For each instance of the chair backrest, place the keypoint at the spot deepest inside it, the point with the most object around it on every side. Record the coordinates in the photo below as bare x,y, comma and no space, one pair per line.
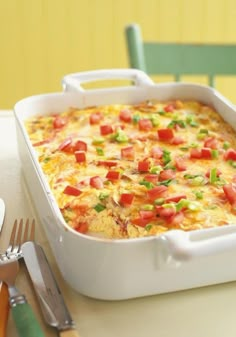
179,58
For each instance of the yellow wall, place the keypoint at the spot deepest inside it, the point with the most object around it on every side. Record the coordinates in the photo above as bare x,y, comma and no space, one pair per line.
42,40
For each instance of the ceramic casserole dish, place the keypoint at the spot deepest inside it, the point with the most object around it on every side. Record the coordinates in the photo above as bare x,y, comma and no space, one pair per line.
113,269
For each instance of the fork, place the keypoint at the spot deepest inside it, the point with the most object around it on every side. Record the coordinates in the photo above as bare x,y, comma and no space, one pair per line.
26,323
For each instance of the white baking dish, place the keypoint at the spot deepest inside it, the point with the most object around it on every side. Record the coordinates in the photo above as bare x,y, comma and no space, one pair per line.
121,269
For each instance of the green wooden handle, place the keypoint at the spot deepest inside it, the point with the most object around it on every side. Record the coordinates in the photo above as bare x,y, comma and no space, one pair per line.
25,320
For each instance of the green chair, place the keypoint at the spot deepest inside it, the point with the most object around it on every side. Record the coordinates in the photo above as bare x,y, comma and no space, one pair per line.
177,59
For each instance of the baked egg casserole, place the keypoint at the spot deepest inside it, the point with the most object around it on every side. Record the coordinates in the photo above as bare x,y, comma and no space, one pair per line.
127,171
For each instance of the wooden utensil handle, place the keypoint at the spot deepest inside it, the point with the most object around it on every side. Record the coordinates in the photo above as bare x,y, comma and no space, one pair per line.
69,333
4,308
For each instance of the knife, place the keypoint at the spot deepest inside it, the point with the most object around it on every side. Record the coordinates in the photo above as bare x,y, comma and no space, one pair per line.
2,213
4,304
48,293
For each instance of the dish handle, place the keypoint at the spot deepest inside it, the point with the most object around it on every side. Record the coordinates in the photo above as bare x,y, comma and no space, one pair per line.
183,246
72,82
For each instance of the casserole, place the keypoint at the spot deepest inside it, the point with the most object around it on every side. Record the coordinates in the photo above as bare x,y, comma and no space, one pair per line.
120,269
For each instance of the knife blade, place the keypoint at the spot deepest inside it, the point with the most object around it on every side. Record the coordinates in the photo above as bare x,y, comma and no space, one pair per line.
2,213
4,305
50,298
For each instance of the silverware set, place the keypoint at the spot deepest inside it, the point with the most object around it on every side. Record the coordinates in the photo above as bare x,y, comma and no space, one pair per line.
22,245
25,320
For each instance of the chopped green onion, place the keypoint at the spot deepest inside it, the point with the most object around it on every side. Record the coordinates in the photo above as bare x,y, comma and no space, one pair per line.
198,194
103,195
214,154
201,136
213,176
148,227
159,201
100,151
191,121
166,182
98,140
154,119
191,176
135,119
46,160
198,181
169,166
161,112
99,208
178,122
189,204
147,207
204,131
120,136
166,156
195,180
148,184
184,148
226,145
183,203
156,169
232,163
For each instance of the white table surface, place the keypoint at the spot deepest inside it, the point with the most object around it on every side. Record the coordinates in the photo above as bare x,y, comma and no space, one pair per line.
203,312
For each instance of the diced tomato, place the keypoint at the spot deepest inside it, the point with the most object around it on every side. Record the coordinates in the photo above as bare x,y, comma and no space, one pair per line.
230,154
165,134
106,163
211,142
113,175
126,198
80,209
152,178
206,153
175,198
125,115
169,108
156,192
143,166
140,222
218,173
156,152
145,124
175,219
106,129
180,164
96,182
127,153
82,227
230,193
80,146
146,214
95,118
59,122
71,190
65,144
80,156
166,174
195,153
166,212
177,140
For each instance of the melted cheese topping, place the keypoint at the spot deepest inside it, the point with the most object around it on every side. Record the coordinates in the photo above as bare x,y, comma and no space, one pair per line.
126,171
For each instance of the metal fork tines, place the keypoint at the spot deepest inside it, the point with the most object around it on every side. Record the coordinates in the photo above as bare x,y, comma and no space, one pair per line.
20,233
